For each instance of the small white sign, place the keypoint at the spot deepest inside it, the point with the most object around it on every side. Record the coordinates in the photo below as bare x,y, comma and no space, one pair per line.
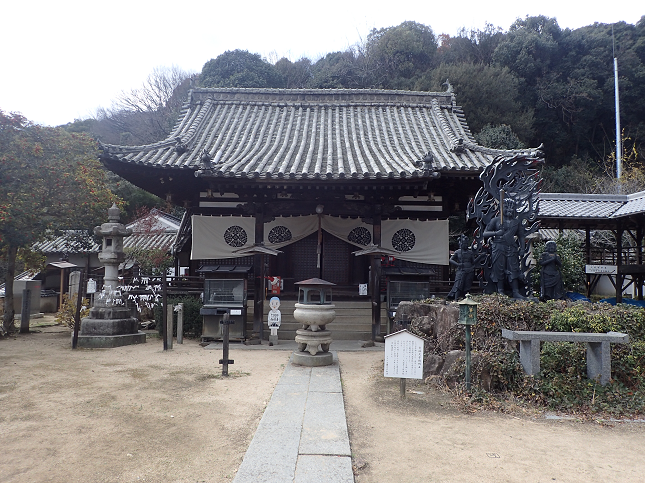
403,355
91,286
236,311
362,289
601,269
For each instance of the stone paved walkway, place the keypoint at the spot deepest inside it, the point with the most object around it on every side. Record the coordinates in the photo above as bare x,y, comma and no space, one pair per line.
302,436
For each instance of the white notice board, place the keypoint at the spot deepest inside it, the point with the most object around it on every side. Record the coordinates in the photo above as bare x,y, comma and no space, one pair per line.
602,269
403,355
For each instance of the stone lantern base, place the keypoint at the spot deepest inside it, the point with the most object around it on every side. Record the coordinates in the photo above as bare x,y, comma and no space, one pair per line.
108,327
313,348
306,359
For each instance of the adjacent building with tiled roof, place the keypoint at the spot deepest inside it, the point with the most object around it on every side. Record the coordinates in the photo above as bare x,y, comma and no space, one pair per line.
621,216
599,210
158,230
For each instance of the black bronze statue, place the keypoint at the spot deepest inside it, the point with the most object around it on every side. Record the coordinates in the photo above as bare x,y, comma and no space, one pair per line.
464,260
550,275
505,233
506,210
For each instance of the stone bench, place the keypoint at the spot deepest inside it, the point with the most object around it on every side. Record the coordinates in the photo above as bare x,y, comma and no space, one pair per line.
598,345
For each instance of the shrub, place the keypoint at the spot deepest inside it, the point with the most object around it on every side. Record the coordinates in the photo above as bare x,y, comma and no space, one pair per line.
192,317
628,363
67,311
562,384
600,317
573,264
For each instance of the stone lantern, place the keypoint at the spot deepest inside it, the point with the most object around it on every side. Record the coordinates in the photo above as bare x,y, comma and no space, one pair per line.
112,253
110,323
314,311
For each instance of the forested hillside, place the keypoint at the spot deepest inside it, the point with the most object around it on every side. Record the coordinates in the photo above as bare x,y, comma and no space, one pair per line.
533,84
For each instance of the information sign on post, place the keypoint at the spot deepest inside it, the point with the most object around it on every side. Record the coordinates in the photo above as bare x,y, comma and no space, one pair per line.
601,269
403,355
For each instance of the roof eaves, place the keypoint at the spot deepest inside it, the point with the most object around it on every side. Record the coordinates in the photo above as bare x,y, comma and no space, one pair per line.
583,197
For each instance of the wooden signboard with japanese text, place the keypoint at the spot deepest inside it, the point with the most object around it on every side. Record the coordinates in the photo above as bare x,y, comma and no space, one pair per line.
403,355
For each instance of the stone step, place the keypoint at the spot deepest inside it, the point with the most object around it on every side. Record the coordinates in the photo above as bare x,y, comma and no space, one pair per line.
353,320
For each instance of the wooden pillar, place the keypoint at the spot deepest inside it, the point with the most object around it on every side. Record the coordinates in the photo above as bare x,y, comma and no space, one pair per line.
62,288
375,282
164,309
639,261
258,273
176,264
588,250
619,263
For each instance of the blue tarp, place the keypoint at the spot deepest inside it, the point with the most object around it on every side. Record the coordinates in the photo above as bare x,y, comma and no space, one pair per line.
578,297
612,301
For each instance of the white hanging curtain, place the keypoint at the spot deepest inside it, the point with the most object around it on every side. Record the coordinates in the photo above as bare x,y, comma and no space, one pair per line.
417,241
285,230
219,236
351,230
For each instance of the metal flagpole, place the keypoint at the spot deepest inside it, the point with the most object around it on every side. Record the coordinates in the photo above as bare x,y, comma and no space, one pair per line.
619,149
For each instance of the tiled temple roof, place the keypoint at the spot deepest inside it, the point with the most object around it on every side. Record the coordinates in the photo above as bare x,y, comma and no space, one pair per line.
162,232
595,206
316,134
144,241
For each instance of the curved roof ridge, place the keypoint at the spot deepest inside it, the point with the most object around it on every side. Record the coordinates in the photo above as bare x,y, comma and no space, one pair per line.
461,117
189,135
503,152
176,138
455,141
282,91
458,144
119,149
281,97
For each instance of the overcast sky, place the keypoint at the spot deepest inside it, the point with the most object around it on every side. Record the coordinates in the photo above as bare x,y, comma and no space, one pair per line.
62,59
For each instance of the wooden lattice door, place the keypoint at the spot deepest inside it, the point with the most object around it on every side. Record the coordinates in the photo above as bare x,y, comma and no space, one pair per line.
303,258
336,260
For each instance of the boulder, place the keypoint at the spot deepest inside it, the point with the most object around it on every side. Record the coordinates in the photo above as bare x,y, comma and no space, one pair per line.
406,311
425,324
449,372
446,317
438,322
432,365
435,321
450,359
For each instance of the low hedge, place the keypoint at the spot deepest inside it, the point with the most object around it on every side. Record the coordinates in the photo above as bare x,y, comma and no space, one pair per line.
562,384
192,317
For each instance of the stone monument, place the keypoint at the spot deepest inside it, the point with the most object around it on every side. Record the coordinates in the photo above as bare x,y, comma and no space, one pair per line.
110,323
314,311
